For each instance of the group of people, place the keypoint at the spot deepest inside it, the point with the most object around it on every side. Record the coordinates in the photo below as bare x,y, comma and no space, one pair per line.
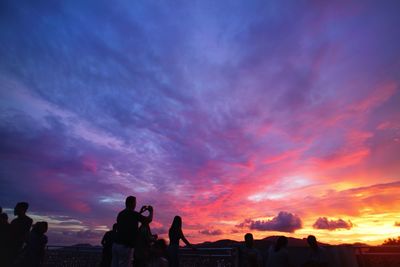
128,242
21,243
131,242
278,255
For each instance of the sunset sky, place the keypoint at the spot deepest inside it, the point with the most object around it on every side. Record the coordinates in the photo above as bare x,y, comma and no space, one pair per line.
270,117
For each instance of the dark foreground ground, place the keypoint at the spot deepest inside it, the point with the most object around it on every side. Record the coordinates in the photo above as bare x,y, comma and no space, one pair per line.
341,256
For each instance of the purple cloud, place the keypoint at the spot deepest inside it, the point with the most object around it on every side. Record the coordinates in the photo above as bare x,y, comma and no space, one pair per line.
324,223
283,222
245,223
211,232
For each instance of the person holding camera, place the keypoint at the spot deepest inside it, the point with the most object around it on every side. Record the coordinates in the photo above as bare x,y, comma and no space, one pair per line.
127,233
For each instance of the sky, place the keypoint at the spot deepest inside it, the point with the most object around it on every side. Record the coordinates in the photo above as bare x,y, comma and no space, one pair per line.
270,117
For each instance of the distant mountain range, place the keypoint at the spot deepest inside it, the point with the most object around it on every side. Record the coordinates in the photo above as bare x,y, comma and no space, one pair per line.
258,243
263,243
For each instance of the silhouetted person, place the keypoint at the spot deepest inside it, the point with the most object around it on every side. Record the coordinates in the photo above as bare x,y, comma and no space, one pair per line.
278,255
127,231
158,254
250,256
175,234
317,256
20,227
144,241
34,251
107,242
5,239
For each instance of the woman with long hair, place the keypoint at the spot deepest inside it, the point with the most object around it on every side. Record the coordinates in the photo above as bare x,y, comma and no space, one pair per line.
175,234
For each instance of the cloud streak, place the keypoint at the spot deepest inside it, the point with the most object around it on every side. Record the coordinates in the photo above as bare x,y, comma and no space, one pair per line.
211,232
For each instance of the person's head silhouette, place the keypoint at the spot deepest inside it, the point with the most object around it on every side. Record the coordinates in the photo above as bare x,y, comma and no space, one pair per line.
40,227
3,218
312,241
21,208
177,222
160,247
115,227
130,203
248,240
281,242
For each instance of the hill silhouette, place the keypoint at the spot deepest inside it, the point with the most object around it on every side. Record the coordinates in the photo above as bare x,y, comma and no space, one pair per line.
266,242
258,243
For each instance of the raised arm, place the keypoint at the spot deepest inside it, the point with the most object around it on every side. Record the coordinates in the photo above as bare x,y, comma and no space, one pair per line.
146,219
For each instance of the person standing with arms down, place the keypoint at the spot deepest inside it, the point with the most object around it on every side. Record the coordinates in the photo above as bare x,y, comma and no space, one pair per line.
158,254
278,255
107,243
127,231
250,256
175,234
318,256
5,239
20,228
35,249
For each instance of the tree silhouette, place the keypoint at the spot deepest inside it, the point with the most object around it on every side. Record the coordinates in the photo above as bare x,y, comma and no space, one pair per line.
392,242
